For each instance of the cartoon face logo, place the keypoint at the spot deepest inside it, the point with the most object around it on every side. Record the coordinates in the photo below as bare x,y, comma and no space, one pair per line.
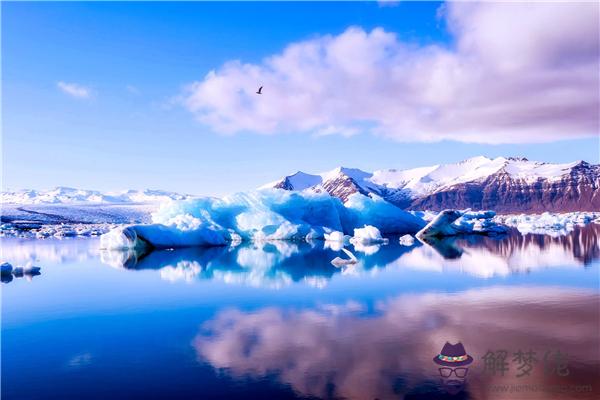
453,361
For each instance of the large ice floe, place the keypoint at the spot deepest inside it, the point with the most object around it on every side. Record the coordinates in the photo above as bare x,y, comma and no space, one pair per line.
263,215
274,214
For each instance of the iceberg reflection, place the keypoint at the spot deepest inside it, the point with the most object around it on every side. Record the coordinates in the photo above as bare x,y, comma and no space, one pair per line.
342,351
280,263
269,264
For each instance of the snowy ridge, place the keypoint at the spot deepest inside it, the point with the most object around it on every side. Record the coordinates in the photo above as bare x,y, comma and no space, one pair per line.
504,184
427,180
66,195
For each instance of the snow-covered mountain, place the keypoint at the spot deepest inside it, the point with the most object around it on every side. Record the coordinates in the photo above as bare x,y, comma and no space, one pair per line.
501,184
507,185
66,195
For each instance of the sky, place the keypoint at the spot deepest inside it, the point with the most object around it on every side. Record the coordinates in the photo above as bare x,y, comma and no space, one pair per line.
113,96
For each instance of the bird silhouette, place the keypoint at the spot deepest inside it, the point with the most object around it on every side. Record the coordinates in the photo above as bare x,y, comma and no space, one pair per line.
259,91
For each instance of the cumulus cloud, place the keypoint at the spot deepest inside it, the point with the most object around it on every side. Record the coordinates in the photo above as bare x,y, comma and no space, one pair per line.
514,72
74,90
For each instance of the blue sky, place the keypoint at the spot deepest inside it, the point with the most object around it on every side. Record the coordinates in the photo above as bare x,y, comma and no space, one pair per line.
119,120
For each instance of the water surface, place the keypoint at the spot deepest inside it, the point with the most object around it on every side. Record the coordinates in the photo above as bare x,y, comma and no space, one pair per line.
278,320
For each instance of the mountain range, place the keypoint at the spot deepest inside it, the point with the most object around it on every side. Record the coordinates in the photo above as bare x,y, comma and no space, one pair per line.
501,184
506,185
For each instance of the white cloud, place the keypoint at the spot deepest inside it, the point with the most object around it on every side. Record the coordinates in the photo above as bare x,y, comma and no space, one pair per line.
74,90
515,72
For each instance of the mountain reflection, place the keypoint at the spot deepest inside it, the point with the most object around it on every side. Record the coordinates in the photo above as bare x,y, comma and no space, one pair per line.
348,351
279,263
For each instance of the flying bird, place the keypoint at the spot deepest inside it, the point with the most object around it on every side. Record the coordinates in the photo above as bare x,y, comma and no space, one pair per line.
259,91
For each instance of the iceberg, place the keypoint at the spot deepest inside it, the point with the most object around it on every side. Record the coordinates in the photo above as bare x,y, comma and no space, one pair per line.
454,222
264,215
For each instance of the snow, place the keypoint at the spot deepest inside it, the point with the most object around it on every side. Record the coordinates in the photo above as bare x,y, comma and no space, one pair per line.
532,171
427,180
354,173
421,181
299,181
263,215
302,181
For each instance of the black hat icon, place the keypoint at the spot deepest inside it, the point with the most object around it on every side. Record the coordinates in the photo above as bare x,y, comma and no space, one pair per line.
453,355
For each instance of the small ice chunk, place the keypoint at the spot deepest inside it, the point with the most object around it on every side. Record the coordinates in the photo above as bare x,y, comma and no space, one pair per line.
407,240
367,235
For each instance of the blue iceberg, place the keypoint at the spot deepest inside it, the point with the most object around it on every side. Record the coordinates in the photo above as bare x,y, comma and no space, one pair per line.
269,214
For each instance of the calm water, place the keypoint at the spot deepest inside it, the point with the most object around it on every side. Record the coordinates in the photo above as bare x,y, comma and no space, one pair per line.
278,320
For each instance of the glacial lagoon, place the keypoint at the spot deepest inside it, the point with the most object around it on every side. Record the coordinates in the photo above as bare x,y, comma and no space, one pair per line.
278,320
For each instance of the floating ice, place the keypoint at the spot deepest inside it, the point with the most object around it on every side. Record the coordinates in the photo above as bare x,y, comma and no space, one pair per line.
441,225
41,231
261,216
367,235
553,224
453,222
478,222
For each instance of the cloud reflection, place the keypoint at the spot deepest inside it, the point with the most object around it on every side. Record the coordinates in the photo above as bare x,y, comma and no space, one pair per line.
341,351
